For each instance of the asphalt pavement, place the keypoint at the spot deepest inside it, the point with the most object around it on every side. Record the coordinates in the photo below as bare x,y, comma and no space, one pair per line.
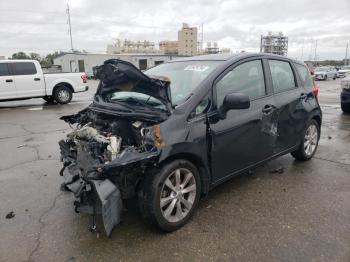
283,211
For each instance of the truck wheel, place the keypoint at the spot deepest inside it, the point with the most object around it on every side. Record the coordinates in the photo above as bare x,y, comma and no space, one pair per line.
63,95
325,78
345,107
334,77
309,142
170,195
49,99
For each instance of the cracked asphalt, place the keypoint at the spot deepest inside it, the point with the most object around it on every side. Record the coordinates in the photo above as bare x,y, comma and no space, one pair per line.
300,214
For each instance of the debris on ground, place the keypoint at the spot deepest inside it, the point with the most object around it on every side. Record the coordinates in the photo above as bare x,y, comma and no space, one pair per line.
279,170
23,145
329,137
26,210
10,215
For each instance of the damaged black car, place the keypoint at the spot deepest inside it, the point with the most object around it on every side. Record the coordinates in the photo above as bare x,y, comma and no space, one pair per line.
170,134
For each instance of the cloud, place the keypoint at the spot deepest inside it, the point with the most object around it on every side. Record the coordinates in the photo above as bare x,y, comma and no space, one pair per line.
235,24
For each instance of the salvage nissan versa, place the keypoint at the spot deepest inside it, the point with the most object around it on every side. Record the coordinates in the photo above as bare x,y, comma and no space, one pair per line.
172,133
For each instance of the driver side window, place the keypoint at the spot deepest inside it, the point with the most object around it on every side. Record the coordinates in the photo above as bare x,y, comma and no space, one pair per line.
247,78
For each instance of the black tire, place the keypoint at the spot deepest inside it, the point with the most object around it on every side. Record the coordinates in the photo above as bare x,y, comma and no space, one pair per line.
63,94
49,99
345,107
334,77
153,186
300,153
325,78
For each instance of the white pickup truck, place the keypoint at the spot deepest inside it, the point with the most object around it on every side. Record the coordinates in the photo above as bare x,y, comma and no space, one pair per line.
24,79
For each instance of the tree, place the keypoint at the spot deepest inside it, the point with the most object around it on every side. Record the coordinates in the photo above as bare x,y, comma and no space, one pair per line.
35,56
20,55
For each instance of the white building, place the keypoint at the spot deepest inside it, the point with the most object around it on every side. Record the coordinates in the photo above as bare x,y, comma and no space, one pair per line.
71,62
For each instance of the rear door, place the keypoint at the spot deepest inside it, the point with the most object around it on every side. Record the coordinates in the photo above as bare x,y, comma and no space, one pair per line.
29,82
290,100
7,83
244,137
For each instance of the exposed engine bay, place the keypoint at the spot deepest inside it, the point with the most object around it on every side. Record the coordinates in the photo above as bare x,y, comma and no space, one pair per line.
113,142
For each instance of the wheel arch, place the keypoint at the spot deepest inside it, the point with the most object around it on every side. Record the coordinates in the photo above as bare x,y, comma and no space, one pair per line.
199,164
62,84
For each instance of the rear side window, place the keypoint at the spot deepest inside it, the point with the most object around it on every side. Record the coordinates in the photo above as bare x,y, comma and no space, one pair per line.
4,70
305,77
282,75
24,68
247,78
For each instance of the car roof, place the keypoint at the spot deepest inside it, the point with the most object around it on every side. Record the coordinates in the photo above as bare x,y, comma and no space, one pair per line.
16,60
226,57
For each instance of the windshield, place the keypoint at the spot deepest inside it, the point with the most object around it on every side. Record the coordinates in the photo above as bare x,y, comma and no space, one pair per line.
135,99
184,76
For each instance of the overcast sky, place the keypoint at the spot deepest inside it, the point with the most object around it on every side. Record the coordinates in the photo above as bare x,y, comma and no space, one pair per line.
41,25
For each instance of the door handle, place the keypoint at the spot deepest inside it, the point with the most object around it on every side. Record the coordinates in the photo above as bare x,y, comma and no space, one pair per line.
9,80
303,96
37,79
268,109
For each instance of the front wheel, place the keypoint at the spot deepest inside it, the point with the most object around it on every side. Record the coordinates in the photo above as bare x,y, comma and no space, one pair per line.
309,143
171,194
63,95
334,77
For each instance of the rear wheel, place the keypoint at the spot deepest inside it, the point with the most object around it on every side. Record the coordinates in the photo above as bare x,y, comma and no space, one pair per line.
171,194
325,78
63,95
345,107
309,143
335,76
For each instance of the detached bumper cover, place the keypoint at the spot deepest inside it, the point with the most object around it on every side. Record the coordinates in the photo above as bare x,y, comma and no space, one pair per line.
97,197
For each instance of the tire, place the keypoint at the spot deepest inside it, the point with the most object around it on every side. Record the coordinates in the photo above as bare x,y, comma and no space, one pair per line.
63,95
178,207
334,77
305,152
345,107
49,99
325,78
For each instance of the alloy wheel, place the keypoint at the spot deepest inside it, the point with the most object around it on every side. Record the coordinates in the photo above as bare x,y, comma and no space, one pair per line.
63,95
177,195
310,140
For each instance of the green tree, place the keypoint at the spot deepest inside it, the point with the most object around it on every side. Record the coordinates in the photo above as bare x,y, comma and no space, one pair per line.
35,56
20,55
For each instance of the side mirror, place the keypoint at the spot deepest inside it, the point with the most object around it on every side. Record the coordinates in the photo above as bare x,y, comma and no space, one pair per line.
235,101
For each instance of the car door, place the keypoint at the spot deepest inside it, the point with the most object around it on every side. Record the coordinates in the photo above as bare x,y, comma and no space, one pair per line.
7,83
244,137
290,104
28,80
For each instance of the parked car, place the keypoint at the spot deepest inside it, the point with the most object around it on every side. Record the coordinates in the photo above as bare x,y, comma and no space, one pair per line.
345,94
24,79
344,71
325,72
174,132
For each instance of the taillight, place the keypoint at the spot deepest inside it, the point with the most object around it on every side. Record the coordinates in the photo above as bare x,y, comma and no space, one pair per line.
84,78
315,89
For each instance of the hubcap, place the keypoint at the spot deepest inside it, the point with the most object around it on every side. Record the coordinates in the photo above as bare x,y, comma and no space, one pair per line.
310,140
178,195
63,95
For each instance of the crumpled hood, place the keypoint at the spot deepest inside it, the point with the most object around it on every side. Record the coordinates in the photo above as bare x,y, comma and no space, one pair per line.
115,72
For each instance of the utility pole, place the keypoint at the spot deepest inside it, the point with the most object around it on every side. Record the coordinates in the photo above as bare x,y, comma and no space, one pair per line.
202,39
315,52
346,54
70,29
302,51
